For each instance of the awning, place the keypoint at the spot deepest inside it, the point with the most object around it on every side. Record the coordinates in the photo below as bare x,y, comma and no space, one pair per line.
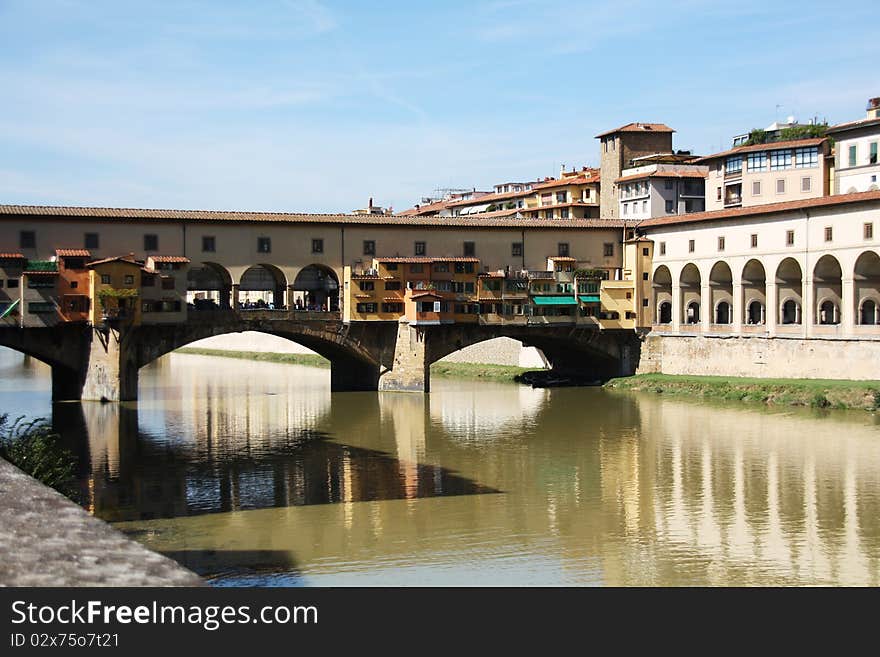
554,301
590,298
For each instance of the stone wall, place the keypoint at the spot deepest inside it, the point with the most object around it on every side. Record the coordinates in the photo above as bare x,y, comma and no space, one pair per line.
781,358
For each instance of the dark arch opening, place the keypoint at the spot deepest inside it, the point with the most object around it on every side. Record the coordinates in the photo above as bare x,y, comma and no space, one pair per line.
789,289
262,287
209,287
866,279
316,288
662,286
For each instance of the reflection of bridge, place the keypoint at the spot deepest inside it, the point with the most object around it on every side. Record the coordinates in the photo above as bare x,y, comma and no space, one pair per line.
103,364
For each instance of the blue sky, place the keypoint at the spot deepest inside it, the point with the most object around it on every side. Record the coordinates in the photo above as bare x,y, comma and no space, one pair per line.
316,105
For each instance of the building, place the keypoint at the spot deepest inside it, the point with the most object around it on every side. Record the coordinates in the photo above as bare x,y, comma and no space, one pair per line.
115,287
164,289
11,267
618,149
73,284
659,188
802,269
773,172
856,165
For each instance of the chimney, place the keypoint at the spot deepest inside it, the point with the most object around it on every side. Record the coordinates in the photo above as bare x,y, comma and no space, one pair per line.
371,202
874,108
561,171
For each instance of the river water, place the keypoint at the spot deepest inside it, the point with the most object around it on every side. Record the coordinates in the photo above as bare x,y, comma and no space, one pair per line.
255,474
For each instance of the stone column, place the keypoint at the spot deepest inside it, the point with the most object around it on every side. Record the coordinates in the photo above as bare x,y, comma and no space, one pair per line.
409,370
111,374
808,312
677,310
737,308
707,308
236,304
848,306
771,308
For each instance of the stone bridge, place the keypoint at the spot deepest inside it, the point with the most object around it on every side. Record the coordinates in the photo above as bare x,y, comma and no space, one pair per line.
102,363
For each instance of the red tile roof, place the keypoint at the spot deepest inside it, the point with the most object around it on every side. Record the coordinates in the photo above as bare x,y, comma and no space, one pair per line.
678,173
425,293
195,216
425,209
73,253
127,259
853,125
769,146
638,127
169,258
399,299
771,208
580,179
11,256
426,259
41,272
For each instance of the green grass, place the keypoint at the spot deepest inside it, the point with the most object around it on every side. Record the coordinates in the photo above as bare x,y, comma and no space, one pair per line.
450,370
815,393
310,360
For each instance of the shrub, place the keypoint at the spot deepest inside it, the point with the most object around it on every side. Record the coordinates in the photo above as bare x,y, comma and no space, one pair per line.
36,450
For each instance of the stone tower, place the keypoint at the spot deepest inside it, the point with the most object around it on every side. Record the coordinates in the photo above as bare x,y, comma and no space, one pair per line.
617,149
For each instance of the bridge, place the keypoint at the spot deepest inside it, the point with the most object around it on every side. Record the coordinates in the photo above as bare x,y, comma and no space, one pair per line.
101,362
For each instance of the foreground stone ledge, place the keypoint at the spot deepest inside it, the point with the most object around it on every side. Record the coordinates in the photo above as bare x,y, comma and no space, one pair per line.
48,540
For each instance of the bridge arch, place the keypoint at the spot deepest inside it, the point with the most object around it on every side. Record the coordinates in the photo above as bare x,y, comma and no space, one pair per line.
827,290
315,287
261,285
209,286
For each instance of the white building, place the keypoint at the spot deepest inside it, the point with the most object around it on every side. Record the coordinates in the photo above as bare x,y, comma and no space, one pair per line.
856,167
659,190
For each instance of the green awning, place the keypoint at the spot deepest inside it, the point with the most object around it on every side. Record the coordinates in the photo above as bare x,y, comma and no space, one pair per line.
554,301
590,298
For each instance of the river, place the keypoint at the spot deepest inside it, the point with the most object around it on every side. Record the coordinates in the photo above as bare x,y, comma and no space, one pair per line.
255,474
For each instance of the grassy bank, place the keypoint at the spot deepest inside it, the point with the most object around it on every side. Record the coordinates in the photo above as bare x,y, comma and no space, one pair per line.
311,360
451,370
815,393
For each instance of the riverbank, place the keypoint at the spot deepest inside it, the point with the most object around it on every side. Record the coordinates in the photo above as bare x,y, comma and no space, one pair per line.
500,373
815,393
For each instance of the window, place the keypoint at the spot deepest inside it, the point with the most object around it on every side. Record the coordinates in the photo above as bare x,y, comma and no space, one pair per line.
717,193
644,275
829,233
392,307
644,206
151,242
391,266
105,279
720,243
563,213
780,160
128,280
264,245
626,208
148,280
852,155
806,184
754,240
74,285
469,249
608,249
35,307
366,307
734,164
420,249
691,246
780,186
789,238
367,286
872,155
757,161
869,231
644,303
561,197
516,249
662,248
27,239
209,244
645,251
548,214
464,268
317,246
441,267
805,158
756,188
392,285
669,206
416,269
369,247
562,249
91,241
12,283
167,283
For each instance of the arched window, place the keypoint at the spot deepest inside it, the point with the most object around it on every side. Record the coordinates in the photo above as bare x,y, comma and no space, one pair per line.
722,313
665,316
868,312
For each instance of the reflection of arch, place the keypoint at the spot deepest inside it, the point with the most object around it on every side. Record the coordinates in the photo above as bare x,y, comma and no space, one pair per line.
209,285
827,288
690,291
866,284
789,283
316,287
262,284
662,285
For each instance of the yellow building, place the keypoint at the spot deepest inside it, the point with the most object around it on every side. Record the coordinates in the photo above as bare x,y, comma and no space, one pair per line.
114,290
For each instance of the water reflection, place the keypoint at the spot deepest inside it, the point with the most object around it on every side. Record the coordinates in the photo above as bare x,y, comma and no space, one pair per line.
255,474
